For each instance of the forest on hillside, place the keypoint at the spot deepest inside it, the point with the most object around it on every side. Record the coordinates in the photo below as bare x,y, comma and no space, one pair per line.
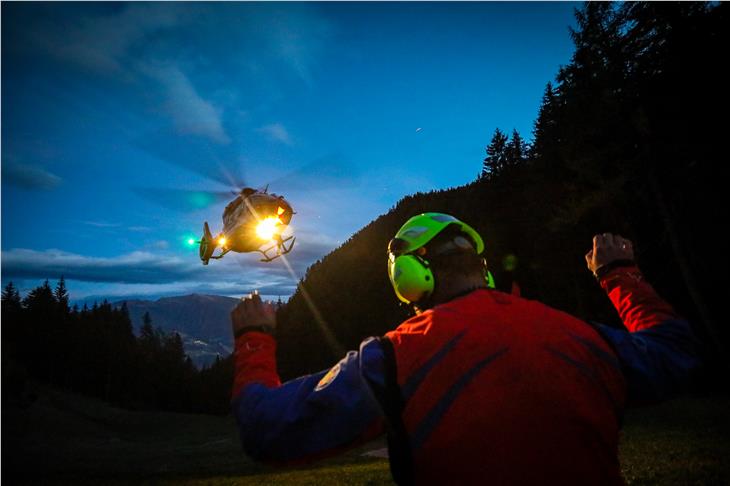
94,351
629,139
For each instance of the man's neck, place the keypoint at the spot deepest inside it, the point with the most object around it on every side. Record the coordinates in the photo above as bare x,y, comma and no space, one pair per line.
452,288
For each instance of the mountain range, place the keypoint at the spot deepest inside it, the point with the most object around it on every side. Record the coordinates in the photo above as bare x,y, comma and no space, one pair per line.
203,322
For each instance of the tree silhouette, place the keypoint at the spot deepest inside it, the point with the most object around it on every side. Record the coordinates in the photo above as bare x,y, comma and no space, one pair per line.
544,129
10,298
61,295
496,159
515,151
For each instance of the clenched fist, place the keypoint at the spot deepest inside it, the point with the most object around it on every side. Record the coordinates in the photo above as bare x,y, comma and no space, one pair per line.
252,313
608,248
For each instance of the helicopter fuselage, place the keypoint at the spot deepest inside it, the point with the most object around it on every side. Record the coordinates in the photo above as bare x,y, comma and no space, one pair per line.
252,222
242,215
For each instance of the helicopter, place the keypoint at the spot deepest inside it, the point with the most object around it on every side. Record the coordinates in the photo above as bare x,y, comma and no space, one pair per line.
255,220
252,220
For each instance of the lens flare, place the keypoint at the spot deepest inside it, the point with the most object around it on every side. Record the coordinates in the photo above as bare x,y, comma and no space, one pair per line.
191,241
267,228
222,241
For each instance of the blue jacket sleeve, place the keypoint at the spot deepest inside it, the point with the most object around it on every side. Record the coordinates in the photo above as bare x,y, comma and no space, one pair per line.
315,415
657,362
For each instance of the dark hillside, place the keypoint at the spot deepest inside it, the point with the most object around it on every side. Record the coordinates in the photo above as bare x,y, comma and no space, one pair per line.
630,139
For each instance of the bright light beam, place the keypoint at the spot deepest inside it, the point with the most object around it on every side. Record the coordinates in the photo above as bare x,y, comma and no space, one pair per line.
332,341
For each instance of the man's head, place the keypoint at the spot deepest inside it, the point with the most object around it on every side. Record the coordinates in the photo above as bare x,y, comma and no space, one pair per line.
434,257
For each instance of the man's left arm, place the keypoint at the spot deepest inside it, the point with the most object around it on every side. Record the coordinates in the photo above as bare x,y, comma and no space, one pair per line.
658,350
307,418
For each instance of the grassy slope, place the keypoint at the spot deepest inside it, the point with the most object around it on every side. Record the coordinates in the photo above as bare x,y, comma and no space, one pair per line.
76,440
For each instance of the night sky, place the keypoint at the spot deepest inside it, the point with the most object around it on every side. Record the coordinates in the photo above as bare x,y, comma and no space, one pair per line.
343,107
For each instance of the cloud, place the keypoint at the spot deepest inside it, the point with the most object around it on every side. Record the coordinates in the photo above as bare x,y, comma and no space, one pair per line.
276,132
125,43
189,111
298,37
159,245
155,269
178,46
101,224
105,42
29,176
135,267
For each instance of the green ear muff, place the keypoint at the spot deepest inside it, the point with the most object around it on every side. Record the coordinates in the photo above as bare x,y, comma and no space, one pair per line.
411,278
490,280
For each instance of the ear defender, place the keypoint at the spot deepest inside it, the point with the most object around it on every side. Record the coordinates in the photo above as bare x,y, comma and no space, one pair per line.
488,275
411,277
490,280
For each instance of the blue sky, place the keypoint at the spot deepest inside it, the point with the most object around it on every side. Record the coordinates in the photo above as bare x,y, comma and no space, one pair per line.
101,101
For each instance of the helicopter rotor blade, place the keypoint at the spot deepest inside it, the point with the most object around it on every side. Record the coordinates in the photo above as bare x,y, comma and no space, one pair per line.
219,162
327,172
183,200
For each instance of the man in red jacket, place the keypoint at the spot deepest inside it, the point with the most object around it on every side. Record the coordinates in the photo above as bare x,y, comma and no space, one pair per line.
480,386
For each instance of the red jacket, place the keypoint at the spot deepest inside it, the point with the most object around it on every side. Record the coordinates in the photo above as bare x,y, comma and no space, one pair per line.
486,388
510,388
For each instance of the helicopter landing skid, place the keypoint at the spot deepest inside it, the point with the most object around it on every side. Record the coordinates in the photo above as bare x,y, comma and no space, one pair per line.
218,257
281,249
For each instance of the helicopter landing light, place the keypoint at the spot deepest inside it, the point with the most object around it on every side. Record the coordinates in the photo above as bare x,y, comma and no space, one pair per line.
267,228
222,241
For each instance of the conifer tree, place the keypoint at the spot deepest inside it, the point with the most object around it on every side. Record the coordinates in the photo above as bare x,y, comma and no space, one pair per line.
149,338
12,328
11,297
496,159
515,151
40,299
545,124
61,295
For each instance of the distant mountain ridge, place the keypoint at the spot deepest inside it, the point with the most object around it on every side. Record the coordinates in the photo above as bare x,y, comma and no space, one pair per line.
203,321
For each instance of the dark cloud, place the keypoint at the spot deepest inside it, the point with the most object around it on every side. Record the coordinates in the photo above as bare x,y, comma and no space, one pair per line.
29,177
145,267
104,40
136,267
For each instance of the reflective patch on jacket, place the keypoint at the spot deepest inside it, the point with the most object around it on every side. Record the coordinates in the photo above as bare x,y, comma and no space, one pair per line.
328,378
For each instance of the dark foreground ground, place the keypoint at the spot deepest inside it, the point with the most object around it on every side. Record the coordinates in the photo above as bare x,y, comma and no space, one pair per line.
65,439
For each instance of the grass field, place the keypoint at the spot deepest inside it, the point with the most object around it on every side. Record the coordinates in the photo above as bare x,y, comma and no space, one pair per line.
66,439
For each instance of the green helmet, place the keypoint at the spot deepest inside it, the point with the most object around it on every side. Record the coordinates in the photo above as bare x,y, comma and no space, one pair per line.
410,273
